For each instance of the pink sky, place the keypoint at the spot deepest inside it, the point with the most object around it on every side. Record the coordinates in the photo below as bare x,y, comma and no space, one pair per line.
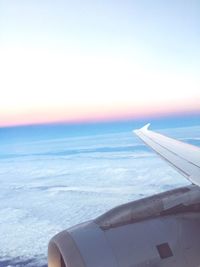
124,60
39,86
101,114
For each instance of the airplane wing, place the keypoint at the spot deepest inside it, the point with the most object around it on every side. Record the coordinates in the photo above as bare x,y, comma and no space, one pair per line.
182,156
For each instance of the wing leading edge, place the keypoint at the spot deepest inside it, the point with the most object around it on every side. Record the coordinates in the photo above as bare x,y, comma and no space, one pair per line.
182,156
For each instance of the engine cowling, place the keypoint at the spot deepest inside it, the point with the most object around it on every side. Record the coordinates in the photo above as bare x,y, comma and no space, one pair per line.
162,230
84,245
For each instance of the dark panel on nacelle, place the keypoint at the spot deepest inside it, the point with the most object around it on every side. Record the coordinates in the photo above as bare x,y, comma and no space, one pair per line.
170,237
136,244
164,250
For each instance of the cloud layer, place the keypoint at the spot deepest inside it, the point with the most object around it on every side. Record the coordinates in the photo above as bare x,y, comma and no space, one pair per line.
48,186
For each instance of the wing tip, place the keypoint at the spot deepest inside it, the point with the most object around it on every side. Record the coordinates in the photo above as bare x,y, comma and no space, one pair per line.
144,128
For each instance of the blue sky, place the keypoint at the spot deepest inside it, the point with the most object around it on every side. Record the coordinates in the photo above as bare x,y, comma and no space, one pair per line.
171,27
70,59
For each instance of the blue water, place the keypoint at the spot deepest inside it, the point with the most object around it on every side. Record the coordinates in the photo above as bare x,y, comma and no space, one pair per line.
49,184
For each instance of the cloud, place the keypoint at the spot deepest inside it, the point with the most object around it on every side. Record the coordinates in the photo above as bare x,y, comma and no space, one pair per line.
42,195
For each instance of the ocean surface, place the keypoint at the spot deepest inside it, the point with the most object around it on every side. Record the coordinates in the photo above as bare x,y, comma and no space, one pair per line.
50,184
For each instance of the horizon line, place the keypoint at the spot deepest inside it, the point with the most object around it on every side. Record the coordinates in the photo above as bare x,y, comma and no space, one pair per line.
163,115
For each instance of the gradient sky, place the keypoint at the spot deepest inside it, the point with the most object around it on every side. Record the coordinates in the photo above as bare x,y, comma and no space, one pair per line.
95,60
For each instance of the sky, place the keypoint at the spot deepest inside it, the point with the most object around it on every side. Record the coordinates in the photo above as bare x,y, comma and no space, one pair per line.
75,61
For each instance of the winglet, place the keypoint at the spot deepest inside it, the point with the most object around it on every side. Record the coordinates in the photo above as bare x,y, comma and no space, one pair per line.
144,128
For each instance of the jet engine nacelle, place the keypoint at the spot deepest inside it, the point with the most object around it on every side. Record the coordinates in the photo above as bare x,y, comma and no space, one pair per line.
163,230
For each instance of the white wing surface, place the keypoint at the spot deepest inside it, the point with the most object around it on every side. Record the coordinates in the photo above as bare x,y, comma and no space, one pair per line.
182,156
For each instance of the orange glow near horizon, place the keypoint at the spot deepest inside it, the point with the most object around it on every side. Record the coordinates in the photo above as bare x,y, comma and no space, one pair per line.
63,62
49,86
100,114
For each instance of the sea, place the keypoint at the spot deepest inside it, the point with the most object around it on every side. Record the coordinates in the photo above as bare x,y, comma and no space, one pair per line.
55,176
